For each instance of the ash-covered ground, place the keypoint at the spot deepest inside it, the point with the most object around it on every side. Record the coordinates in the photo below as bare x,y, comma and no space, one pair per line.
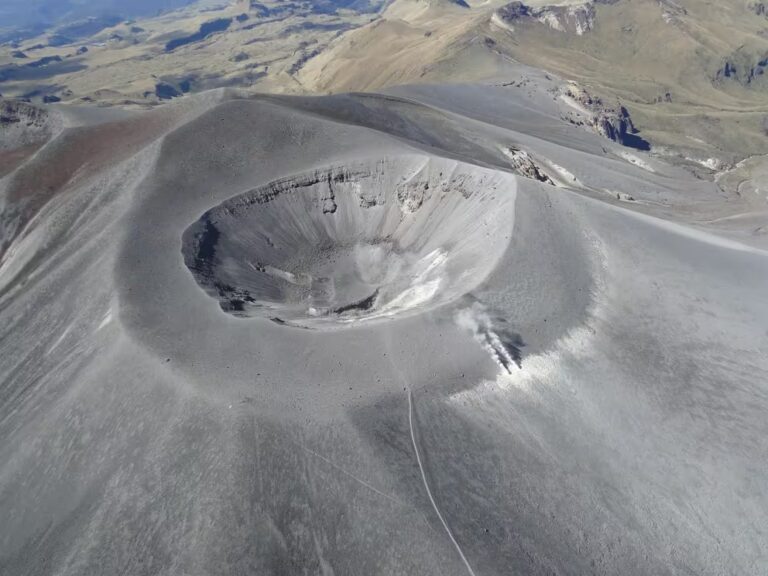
438,331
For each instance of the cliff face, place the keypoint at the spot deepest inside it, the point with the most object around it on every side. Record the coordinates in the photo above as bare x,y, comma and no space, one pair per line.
610,121
575,18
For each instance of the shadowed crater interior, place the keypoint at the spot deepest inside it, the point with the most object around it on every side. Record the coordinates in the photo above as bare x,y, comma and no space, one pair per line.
364,241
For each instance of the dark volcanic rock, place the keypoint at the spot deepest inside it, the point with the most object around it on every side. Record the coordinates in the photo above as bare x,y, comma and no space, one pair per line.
303,59
166,91
44,61
759,8
59,40
39,69
513,11
206,29
745,68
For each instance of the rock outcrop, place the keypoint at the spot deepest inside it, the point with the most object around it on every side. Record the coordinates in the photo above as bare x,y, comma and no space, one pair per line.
744,67
575,18
22,124
759,8
513,11
671,11
523,165
612,122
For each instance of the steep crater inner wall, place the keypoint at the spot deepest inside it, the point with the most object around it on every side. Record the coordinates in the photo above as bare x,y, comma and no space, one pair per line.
360,242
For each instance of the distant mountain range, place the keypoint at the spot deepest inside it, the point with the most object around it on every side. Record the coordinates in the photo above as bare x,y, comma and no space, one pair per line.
683,76
23,18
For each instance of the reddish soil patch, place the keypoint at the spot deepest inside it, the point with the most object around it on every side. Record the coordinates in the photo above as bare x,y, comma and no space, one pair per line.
12,159
84,152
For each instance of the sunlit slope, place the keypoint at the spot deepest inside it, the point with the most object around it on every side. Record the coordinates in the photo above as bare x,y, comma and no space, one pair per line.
670,64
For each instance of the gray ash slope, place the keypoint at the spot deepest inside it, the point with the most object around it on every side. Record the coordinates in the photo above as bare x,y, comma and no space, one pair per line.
591,400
